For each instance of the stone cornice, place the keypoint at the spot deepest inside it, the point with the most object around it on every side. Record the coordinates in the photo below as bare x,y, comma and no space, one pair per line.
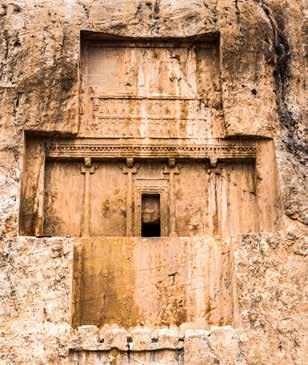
80,149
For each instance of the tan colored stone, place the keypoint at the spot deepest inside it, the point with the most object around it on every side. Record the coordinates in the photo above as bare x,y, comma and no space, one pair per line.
229,70
89,336
167,338
165,282
140,339
114,338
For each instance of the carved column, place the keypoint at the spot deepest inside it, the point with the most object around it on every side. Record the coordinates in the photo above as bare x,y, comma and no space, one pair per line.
87,170
129,170
213,213
171,170
39,199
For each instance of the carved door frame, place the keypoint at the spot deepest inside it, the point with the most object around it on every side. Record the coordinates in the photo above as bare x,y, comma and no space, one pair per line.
151,187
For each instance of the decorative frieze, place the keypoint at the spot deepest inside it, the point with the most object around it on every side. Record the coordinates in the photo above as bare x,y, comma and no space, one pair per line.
101,150
159,116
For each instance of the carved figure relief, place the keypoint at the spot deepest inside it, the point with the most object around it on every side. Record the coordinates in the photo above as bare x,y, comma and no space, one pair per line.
151,89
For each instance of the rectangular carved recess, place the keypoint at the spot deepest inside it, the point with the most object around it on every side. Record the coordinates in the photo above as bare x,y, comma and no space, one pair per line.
150,89
83,187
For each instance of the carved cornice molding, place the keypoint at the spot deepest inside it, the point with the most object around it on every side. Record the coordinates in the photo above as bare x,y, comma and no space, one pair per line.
72,149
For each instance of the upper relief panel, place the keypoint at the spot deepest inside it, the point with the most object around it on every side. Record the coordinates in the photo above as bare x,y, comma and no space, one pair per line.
150,89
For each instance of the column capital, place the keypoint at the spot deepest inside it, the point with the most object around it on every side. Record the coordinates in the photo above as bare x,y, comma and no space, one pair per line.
130,170
213,162
88,161
171,170
87,167
130,162
171,162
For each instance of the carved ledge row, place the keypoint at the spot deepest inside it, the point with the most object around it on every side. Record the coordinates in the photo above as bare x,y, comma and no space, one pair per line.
91,338
102,151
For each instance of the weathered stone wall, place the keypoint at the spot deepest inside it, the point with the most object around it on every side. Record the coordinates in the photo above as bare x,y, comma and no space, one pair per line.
271,273
36,278
262,65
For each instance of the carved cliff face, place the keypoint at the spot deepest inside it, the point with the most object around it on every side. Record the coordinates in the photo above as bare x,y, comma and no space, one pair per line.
155,105
149,160
152,149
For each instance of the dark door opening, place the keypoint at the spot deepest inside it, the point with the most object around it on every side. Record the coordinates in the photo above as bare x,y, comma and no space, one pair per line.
150,216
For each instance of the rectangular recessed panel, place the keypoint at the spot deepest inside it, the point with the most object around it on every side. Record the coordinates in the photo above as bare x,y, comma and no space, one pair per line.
150,89
67,197
66,204
150,215
63,200
108,200
220,201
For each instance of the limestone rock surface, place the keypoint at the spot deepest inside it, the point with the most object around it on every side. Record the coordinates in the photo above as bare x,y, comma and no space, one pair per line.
263,59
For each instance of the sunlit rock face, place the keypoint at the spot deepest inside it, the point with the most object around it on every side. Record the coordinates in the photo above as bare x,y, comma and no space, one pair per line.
152,182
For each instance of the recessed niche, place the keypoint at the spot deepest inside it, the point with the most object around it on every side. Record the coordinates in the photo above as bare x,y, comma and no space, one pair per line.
140,88
150,215
67,193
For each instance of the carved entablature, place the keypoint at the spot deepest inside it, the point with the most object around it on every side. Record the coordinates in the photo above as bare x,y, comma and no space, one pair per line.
96,149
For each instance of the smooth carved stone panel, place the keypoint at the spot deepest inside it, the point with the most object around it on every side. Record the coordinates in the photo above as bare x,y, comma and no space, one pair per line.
63,203
216,201
151,89
65,192
153,282
108,200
